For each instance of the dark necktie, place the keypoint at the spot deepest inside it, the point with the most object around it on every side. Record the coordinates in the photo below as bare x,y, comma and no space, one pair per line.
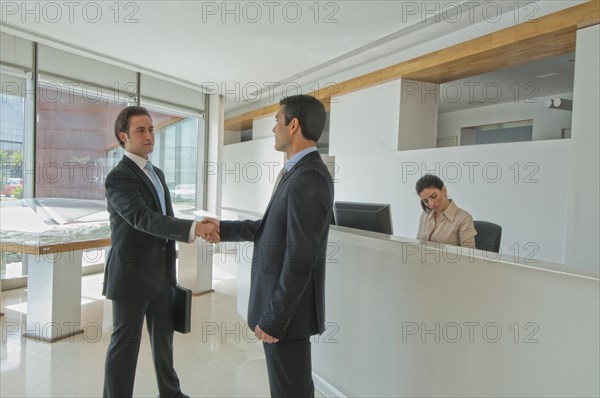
280,176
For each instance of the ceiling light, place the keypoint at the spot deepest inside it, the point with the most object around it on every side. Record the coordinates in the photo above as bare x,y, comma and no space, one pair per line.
547,75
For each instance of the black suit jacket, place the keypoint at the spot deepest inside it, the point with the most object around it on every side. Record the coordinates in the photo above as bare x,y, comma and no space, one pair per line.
143,252
287,290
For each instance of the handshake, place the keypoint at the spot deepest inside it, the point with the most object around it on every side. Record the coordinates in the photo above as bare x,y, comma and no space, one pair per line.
209,230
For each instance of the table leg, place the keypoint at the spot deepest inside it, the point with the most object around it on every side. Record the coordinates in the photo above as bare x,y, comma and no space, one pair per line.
1,313
54,295
194,270
2,265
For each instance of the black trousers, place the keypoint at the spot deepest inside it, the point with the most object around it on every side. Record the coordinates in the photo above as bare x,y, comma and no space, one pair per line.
290,369
122,354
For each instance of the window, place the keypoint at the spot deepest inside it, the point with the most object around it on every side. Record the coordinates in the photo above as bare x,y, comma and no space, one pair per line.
77,100
12,136
497,133
74,136
175,152
13,111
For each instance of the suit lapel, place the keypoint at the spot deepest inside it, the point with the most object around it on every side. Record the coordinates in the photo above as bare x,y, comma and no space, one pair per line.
140,173
285,179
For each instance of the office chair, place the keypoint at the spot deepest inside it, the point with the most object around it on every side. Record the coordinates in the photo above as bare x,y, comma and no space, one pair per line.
488,236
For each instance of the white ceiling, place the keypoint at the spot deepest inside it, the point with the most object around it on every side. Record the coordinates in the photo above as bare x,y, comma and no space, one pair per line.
251,46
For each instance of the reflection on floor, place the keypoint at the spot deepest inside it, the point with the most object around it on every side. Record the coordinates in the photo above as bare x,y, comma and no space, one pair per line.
220,358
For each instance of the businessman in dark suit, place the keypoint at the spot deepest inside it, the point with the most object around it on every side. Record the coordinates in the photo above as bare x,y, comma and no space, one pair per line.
287,303
140,268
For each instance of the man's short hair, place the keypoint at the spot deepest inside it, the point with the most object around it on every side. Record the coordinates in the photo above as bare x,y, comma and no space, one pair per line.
122,121
309,111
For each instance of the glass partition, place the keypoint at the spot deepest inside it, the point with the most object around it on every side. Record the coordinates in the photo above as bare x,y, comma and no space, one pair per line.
175,152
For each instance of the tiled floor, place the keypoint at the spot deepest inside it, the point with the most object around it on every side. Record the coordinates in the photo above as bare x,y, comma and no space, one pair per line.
220,358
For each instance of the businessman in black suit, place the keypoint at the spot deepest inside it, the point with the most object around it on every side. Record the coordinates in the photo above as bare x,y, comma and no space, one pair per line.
140,268
287,303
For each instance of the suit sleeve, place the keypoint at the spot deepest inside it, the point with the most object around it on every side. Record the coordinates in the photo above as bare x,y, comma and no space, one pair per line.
125,194
238,231
309,201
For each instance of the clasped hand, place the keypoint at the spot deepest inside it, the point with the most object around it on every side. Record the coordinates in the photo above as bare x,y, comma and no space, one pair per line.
209,230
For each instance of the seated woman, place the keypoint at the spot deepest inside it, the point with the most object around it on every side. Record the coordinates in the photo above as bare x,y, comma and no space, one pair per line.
442,220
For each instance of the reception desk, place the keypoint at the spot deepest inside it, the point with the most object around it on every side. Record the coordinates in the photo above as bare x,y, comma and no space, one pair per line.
405,318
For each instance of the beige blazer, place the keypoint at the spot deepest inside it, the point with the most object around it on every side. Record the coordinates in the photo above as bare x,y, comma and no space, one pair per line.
454,227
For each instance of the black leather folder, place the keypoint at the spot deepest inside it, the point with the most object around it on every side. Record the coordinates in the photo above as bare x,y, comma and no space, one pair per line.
182,309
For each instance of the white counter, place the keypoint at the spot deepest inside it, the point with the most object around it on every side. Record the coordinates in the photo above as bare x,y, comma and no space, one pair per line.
405,319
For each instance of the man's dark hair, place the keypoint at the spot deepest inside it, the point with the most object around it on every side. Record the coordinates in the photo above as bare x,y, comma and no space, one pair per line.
122,121
428,181
309,111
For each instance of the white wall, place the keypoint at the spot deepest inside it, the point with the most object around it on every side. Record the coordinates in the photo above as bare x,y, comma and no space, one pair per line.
583,228
418,115
547,123
248,171
520,186
232,137
466,137
365,121
263,127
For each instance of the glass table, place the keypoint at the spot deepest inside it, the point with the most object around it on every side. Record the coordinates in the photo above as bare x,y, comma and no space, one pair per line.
52,234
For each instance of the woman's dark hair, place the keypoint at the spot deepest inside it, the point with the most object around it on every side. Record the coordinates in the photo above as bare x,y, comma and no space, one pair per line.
309,111
122,121
428,181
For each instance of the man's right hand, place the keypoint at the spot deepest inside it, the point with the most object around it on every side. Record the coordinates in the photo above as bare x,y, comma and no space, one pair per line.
209,230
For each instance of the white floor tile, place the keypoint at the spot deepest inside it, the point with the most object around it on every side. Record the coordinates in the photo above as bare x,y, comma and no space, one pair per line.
220,358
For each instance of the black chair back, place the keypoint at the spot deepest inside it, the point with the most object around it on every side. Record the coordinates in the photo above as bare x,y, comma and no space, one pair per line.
488,236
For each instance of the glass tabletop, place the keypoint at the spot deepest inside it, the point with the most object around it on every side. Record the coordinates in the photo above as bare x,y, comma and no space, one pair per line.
49,221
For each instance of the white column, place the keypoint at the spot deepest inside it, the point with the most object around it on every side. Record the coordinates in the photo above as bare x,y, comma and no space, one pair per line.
583,230
194,269
216,117
1,313
365,121
418,115
54,295
389,117
2,264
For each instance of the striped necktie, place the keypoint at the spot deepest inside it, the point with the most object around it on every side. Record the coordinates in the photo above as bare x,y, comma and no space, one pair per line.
157,185
280,176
